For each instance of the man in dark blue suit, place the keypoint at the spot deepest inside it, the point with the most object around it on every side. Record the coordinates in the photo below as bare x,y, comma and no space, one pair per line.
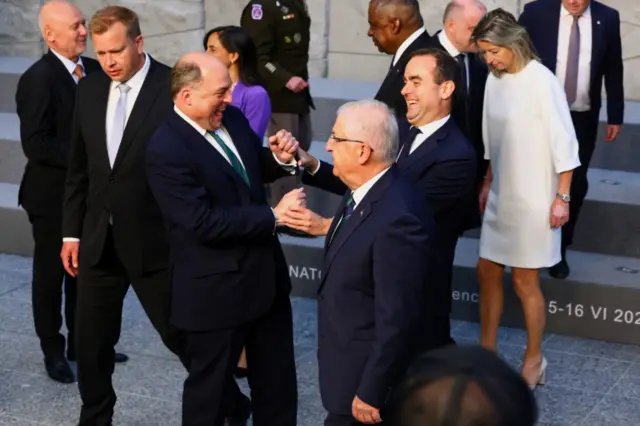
435,156
377,279
579,40
230,286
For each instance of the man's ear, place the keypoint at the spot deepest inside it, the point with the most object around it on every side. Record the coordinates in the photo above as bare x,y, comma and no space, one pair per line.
447,89
364,154
396,26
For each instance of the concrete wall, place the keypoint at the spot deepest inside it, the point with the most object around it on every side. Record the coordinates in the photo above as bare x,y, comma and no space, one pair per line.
340,47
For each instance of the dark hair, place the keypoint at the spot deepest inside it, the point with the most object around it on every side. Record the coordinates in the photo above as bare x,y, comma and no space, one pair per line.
237,40
462,385
446,67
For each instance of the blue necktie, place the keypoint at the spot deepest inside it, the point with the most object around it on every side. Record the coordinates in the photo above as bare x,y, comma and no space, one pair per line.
119,120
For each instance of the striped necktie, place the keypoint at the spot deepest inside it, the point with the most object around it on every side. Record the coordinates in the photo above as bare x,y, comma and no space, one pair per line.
346,214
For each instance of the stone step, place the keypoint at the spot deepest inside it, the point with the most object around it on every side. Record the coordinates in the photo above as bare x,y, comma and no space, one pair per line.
12,159
599,300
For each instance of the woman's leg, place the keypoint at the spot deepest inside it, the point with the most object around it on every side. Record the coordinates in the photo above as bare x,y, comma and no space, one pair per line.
491,297
526,284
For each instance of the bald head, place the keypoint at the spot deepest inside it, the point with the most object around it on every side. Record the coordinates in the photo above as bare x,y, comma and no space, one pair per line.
459,20
391,22
201,88
63,28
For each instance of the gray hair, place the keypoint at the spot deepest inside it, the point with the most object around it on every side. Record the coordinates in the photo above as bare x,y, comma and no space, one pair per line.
185,74
456,6
500,27
378,124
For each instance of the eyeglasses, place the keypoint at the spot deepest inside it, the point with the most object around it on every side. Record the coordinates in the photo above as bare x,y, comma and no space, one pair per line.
337,139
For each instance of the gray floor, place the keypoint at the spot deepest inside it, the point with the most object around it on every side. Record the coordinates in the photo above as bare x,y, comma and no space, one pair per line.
590,383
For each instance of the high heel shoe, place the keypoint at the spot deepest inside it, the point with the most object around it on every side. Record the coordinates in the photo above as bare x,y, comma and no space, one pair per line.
542,375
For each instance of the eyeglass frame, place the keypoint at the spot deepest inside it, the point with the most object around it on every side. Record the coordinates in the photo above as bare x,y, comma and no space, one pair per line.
337,139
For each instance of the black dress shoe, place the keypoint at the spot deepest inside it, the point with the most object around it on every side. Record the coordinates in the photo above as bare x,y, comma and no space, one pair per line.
560,270
121,358
242,416
58,369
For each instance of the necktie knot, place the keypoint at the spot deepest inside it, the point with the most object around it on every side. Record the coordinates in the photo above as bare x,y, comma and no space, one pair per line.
78,71
124,89
348,210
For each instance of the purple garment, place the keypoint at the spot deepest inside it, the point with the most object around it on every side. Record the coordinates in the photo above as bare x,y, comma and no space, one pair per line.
254,103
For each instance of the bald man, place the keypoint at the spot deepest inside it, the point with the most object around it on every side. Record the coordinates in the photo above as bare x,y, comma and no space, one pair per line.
206,168
45,100
396,28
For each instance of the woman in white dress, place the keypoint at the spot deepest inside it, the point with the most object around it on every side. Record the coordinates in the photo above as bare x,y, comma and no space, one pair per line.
532,150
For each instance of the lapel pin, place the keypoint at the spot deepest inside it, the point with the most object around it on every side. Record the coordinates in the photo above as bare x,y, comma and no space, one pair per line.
361,213
597,22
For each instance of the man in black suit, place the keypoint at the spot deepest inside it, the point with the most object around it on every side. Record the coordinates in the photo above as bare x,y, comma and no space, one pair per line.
434,155
44,100
396,28
378,285
112,228
579,40
231,286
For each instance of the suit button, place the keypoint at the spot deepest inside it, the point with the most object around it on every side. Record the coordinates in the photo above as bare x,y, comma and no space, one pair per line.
111,179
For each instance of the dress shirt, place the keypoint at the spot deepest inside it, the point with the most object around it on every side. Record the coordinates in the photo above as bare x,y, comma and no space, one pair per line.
451,50
405,45
426,131
582,102
362,190
70,65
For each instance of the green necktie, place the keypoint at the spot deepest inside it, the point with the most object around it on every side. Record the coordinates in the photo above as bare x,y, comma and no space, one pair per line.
235,162
348,211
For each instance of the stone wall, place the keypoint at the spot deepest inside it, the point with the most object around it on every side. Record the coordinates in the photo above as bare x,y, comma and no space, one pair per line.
340,47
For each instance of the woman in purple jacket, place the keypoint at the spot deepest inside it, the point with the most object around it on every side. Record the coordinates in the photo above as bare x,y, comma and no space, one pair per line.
233,46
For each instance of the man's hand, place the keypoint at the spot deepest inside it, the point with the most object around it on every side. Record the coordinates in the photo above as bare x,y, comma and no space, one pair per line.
284,146
303,219
559,213
297,84
613,130
365,413
308,161
69,256
295,198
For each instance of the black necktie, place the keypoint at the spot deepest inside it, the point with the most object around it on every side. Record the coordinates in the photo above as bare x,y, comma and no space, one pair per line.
463,94
463,73
406,148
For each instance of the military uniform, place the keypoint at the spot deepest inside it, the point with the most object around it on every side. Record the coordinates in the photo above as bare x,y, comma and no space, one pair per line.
280,31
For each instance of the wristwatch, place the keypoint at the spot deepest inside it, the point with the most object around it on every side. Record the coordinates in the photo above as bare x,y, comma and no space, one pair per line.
564,197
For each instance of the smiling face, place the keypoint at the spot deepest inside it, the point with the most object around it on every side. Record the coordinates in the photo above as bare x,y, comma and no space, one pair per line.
497,57
119,55
64,29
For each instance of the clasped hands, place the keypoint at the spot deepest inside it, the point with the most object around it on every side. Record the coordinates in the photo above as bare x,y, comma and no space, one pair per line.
292,210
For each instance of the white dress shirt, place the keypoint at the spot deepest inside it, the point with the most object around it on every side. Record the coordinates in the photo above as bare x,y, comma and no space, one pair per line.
451,50
221,132
405,45
70,65
426,131
582,102
135,83
359,194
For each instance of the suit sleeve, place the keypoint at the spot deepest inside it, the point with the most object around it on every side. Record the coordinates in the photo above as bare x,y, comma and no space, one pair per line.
36,113
447,182
184,202
77,180
614,75
263,34
400,273
525,18
325,179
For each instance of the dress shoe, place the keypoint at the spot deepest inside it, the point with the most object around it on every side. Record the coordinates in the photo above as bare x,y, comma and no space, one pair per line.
560,270
241,417
58,369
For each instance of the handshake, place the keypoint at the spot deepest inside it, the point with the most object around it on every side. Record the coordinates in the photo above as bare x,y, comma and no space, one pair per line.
292,209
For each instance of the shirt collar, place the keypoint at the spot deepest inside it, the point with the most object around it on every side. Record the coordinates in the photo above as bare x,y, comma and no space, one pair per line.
135,82
565,12
192,123
68,63
431,128
446,43
361,191
405,44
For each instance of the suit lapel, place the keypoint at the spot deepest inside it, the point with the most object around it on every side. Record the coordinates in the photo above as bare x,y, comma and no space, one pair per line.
61,70
597,41
360,214
99,114
421,154
396,72
553,31
144,102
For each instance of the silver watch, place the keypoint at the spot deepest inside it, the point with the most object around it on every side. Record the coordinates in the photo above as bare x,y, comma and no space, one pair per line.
564,197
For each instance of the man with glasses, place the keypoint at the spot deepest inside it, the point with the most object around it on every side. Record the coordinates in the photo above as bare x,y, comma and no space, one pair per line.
434,154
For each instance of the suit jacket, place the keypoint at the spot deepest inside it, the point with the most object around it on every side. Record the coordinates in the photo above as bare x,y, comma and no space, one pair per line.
470,123
389,91
372,308
541,18
95,192
443,168
227,261
45,98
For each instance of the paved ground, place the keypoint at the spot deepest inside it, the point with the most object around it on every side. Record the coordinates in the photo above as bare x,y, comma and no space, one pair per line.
591,383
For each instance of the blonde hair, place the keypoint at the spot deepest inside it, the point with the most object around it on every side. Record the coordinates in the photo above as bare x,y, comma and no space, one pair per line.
106,17
500,27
